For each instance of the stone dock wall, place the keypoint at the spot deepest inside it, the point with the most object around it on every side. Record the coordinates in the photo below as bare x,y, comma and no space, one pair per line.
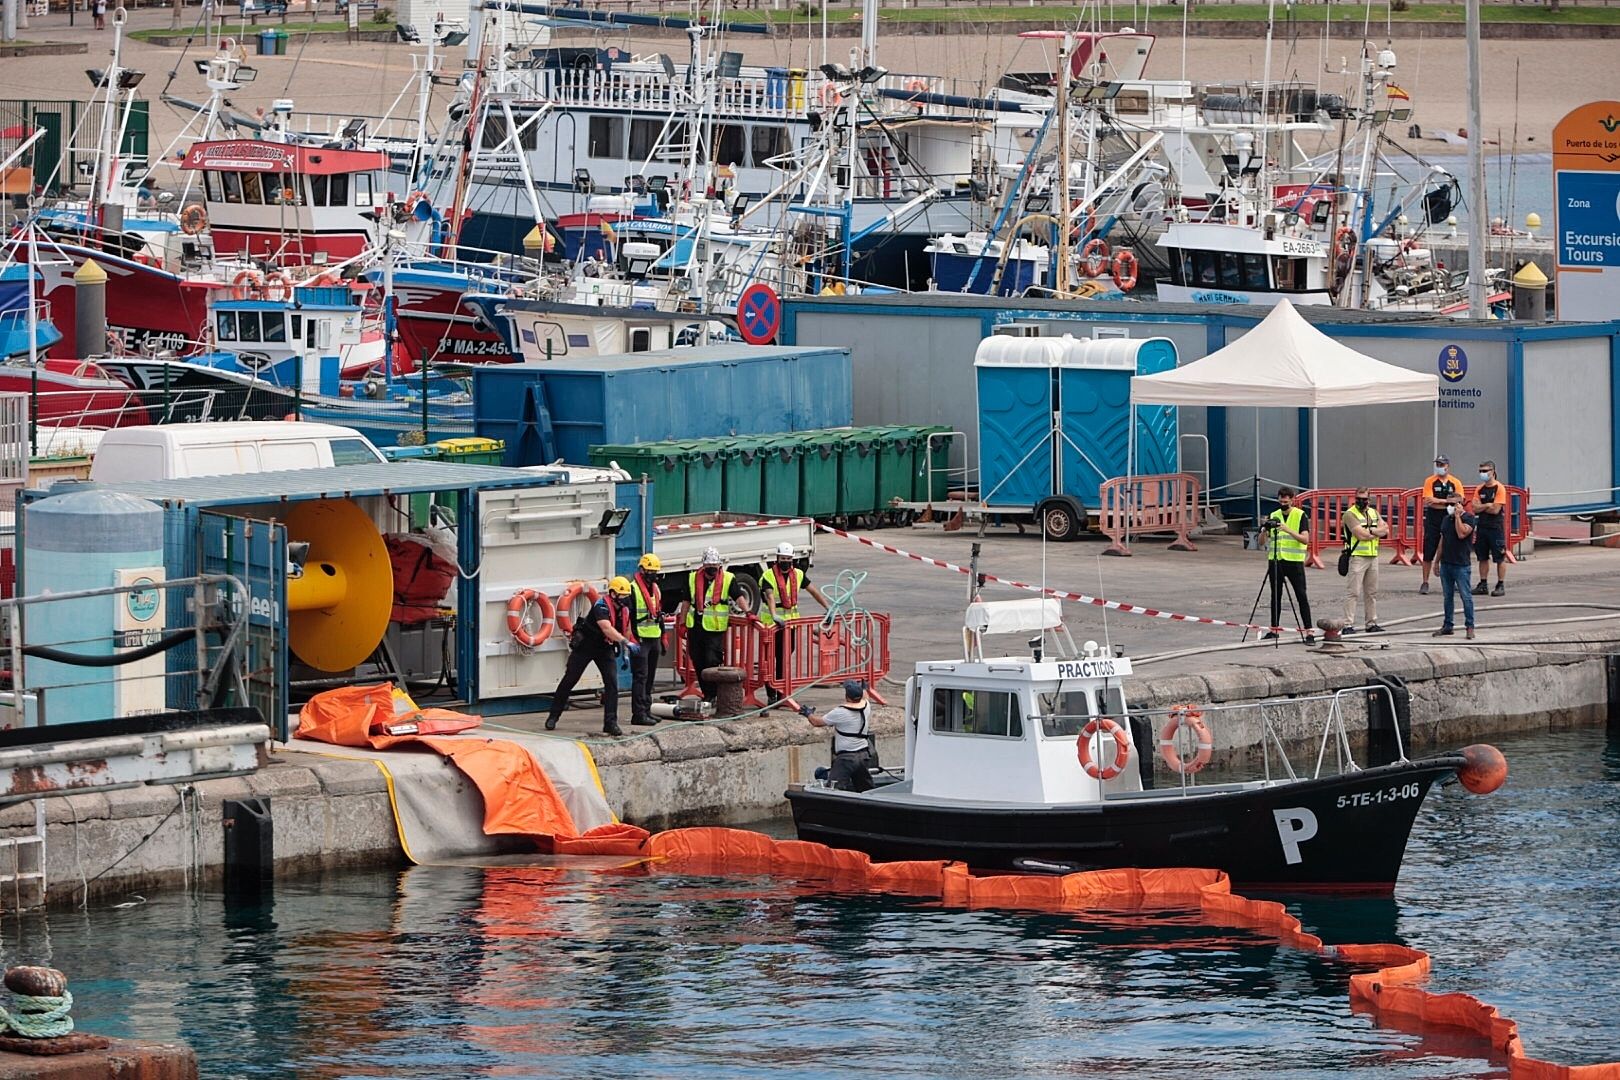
331,812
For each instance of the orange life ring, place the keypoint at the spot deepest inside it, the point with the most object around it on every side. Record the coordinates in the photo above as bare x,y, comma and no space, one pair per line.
517,612
831,96
1122,748
275,286
1094,257
1186,716
1344,240
917,86
1124,269
193,220
565,603
246,285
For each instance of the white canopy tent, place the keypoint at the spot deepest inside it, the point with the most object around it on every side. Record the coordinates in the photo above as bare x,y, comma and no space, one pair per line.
1288,363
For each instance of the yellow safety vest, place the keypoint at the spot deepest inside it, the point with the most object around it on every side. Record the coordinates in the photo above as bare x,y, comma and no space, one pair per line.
649,619
1358,546
1281,546
716,612
767,583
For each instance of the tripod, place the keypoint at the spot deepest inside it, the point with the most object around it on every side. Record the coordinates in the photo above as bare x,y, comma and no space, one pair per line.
1273,578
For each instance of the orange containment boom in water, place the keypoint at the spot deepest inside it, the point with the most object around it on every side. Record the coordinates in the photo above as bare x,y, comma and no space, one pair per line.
1388,991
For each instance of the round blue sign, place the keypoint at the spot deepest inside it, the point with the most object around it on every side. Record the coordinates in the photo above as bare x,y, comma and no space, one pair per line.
1453,363
144,604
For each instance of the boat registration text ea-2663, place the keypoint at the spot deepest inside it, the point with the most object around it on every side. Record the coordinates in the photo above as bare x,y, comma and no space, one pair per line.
1382,795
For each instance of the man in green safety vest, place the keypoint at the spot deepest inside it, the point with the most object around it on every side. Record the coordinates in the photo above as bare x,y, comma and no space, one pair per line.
1362,527
647,619
712,592
779,590
1287,546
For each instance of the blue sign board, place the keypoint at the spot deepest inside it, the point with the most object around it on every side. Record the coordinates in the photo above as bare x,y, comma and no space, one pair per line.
1588,219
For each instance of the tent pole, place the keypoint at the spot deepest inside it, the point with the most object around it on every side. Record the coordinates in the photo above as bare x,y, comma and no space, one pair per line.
1316,457
1257,466
1436,427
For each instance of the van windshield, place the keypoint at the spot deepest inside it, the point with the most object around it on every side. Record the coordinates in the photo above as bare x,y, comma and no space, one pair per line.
353,452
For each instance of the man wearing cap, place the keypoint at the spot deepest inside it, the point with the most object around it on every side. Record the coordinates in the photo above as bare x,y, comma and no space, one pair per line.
604,630
779,590
1490,506
1440,492
647,618
854,750
712,592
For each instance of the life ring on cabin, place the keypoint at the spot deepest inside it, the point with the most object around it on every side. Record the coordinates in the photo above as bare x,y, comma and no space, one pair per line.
1094,257
1124,269
1186,716
1344,241
1122,748
193,220
413,199
246,285
517,611
565,603
275,286
326,277
831,97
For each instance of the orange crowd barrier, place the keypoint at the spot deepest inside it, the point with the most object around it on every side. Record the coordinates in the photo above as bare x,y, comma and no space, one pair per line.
1518,519
745,649
812,654
1324,509
1144,505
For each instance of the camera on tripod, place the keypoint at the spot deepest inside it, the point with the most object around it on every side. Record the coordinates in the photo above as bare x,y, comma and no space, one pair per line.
1271,523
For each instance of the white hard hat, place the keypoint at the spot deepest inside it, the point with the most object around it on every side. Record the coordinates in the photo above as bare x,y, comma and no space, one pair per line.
784,550
711,556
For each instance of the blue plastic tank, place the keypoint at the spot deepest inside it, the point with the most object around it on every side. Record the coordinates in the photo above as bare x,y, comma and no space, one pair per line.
73,541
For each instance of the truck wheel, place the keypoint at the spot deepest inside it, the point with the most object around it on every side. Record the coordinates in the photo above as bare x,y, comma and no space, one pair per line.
748,584
1062,518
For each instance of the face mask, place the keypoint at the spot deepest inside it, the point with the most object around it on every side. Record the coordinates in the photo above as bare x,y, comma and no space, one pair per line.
1361,504
1440,470
1484,476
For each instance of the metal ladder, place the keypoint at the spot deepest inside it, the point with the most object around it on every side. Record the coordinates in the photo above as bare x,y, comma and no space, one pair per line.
27,861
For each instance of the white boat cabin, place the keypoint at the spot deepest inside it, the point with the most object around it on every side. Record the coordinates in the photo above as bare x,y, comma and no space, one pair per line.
1006,729
1214,263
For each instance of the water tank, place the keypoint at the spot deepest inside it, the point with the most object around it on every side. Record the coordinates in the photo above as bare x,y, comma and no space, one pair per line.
78,540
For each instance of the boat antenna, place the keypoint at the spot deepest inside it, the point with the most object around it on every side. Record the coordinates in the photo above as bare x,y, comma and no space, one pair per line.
1102,594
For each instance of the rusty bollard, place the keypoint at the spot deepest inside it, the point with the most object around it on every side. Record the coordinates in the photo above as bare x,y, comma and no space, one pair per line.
37,1021
728,698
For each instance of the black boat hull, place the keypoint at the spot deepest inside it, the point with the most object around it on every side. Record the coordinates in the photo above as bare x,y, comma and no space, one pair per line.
1342,833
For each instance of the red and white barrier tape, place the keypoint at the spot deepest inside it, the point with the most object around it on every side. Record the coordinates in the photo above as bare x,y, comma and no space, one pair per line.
1061,594
684,526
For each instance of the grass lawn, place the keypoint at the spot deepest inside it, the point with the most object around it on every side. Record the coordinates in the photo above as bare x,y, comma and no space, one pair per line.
293,25
1051,13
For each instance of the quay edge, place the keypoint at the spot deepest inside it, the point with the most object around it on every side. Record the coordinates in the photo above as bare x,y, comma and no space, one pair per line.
331,813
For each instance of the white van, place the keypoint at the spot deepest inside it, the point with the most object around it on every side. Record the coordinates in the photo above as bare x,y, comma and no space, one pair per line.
177,451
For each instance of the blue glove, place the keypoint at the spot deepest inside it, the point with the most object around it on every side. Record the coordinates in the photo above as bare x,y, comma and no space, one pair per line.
805,711
632,648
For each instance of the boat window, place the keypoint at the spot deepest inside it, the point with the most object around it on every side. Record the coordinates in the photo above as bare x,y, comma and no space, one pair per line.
1181,267
640,339
362,189
353,452
233,186
1231,264
317,191
1290,273
1113,702
339,190
1204,267
275,326
283,189
606,137
227,326
297,327
730,144
249,322
211,186
1254,273
494,136
252,189
769,140
977,712
1065,712
643,137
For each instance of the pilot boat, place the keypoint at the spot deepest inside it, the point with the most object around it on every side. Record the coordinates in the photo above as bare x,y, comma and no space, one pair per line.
1035,763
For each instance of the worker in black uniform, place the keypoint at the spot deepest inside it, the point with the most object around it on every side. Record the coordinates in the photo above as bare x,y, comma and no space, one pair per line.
606,628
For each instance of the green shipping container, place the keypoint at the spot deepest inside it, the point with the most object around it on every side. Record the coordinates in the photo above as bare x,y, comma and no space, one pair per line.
662,463
781,483
705,474
818,474
745,470
857,471
932,486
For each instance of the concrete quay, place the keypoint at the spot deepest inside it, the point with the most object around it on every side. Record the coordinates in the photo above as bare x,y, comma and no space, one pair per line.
1526,672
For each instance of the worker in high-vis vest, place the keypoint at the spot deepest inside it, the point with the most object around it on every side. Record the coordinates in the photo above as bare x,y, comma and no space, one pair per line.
1288,544
712,593
1362,527
647,622
779,590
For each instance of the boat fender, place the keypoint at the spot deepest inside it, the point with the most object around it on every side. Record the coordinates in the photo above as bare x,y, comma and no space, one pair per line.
565,603
517,611
1122,748
1486,768
1094,257
1124,269
1186,716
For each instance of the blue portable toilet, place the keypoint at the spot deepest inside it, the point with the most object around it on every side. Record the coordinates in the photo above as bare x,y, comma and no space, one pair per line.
1054,421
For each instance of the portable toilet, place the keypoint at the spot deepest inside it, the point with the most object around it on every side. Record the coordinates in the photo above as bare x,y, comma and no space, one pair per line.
1054,420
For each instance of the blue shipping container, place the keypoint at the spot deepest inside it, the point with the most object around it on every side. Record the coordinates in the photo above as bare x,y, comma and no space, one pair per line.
1024,382
546,412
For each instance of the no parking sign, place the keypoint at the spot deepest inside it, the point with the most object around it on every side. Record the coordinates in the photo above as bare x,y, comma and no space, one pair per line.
759,314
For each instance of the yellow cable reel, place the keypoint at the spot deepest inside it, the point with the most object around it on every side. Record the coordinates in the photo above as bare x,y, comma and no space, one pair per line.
340,605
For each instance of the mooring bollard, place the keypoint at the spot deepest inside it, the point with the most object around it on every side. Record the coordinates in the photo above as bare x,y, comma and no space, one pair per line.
1332,633
37,1021
728,698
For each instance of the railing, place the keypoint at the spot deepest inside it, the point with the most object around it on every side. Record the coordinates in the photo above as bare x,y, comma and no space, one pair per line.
1138,505
798,653
1517,521
1402,510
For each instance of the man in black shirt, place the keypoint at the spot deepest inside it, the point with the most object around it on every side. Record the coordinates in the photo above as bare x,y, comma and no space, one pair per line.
1457,566
605,629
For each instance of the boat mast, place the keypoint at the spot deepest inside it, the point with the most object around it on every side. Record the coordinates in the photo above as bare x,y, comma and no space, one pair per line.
1476,174
1060,286
1264,198
102,183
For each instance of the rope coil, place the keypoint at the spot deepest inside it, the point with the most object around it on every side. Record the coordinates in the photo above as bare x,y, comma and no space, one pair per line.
39,1017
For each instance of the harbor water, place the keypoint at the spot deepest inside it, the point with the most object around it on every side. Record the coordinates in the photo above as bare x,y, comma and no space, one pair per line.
461,971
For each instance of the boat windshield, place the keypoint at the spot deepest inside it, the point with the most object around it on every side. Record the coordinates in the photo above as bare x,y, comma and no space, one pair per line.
1065,712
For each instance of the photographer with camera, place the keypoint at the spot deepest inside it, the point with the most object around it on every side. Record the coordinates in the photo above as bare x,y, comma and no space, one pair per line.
1287,545
1490,506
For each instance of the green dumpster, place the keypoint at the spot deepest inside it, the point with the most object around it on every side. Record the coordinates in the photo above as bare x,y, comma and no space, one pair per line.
818,473
857,471
744,458
932,479
705,474
472,451
780,479
422,502
896,464
662,463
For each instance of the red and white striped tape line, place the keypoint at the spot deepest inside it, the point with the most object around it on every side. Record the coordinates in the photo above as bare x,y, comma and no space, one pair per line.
1061,594
688,525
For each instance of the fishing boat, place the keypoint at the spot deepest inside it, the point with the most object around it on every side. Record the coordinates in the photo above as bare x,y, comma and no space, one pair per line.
1035,763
